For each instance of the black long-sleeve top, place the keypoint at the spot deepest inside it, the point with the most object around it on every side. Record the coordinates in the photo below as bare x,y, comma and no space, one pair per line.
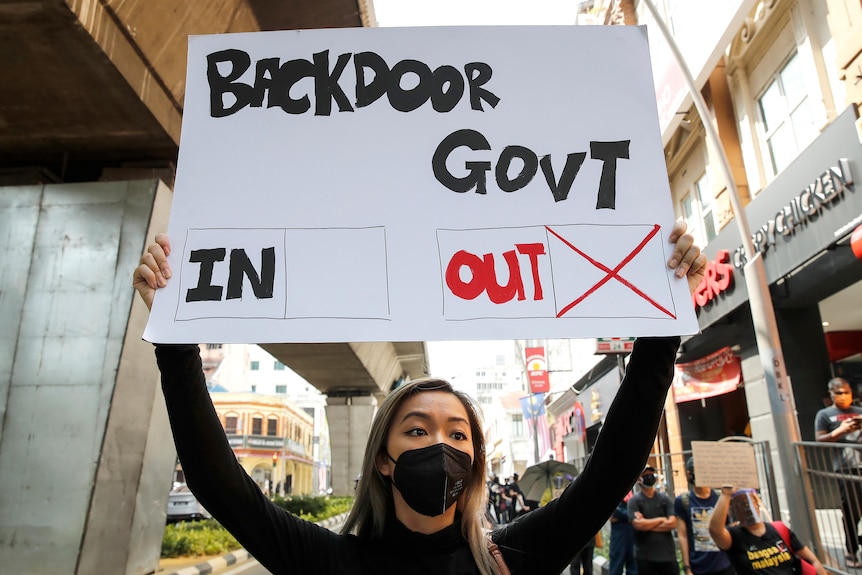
542,541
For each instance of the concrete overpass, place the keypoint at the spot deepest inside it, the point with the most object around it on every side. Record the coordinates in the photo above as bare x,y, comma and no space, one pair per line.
90,117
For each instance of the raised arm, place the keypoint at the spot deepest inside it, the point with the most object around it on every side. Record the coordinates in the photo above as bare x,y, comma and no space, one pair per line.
718,522
277,539
548,538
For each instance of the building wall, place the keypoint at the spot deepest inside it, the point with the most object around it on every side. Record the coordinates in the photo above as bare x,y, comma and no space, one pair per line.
292,442
85,449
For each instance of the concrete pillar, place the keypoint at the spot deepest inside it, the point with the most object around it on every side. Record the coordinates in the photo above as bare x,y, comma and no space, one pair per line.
85,451
807,362
349,424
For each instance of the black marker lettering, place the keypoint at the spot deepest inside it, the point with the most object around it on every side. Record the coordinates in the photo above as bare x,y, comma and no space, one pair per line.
205,291
241,266
609,152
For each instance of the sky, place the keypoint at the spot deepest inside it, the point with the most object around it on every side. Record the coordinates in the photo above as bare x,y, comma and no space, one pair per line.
451,359
474,12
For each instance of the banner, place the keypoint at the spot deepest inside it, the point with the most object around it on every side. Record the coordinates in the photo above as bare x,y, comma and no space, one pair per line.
537,370
715,374
386,184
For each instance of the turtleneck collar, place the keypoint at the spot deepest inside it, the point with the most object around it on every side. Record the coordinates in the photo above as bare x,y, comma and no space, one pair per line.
445,541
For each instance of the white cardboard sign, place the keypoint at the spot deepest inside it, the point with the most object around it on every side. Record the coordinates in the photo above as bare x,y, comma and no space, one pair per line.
720,463
418,184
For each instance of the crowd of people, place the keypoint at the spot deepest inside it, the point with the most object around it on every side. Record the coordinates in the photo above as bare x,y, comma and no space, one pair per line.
718,533
506,500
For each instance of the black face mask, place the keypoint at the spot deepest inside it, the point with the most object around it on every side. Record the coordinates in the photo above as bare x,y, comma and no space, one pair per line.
432,478
648,480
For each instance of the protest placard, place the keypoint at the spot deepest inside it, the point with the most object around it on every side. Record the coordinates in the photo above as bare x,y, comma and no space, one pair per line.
719,463
420,184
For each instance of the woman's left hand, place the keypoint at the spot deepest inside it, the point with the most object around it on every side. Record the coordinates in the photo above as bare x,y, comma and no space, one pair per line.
686,258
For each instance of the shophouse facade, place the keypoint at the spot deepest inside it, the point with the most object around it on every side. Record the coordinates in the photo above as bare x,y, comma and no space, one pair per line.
783,82
271,439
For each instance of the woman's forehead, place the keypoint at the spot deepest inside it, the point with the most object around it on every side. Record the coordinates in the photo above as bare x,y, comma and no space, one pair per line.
431,404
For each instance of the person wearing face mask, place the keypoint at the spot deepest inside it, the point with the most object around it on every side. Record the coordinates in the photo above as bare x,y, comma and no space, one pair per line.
421,501
651,515
753,544
841,423
700,555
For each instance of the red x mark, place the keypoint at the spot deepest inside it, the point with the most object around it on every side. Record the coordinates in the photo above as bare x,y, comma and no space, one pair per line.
611,273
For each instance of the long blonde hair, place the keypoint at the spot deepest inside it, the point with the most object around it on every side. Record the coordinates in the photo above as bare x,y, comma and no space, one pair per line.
373,502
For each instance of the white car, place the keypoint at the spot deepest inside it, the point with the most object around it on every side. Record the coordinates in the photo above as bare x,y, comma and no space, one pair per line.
183,505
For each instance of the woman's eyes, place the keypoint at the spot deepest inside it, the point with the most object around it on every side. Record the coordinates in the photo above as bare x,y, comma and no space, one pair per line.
419,432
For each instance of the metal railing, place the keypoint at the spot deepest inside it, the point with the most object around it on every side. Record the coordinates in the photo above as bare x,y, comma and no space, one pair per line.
671,467
832,487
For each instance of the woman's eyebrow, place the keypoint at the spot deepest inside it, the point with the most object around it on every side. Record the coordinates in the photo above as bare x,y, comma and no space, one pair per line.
427,417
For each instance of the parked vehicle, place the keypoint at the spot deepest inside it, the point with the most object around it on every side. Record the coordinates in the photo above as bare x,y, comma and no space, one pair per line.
182,505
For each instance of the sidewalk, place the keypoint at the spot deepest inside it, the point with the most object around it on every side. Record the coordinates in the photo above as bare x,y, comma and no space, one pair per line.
207,565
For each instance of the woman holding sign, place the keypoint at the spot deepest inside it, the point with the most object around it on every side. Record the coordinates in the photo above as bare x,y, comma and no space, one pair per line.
753,544
420,505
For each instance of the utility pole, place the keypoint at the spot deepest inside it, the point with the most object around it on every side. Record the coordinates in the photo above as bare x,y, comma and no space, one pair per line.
781,399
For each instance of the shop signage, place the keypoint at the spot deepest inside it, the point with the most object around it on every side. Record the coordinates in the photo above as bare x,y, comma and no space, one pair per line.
537,370
574,421
805,207
715,374
717,278
258,441
607,345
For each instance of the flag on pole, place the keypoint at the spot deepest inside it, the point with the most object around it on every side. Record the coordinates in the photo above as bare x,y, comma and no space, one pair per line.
533,408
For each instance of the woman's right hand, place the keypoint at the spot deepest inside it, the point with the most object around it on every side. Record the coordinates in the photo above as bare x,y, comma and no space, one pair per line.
153,272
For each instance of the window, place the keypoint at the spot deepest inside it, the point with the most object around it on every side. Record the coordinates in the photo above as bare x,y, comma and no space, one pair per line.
255,365
281,389
788,115
213,346
697,209
257,425
254,389
271,426
278,366
517,425
230,424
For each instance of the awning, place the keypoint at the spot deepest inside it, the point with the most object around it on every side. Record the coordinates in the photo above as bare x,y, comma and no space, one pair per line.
715,374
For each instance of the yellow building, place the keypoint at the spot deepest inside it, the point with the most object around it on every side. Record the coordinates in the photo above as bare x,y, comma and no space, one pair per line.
271,438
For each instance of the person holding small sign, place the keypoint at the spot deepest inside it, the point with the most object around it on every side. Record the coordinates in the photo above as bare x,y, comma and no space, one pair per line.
700,556
754,545
420,504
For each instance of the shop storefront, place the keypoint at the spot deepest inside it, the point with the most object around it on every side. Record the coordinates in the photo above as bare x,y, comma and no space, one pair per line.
578,413
802,224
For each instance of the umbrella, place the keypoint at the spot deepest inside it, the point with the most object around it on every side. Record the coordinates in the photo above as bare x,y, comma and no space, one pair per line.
537,478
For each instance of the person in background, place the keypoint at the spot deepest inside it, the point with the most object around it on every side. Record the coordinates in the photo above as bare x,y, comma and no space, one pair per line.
700,554
583,561
651,514
754,546
622,546
519,505
494,498
842,423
